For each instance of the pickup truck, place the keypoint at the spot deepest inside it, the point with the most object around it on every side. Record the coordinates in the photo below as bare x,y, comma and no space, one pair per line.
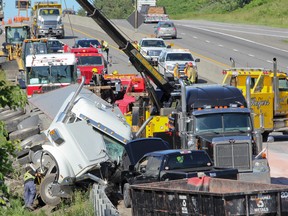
171,164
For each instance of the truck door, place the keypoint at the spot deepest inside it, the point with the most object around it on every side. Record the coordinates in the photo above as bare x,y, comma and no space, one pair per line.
149,169
262,102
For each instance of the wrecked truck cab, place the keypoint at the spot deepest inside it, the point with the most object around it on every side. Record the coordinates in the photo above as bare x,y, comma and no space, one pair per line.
85,142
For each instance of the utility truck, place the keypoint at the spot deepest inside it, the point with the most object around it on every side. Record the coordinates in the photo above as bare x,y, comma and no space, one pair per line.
169,96
47,20
269,92
151,12
46,72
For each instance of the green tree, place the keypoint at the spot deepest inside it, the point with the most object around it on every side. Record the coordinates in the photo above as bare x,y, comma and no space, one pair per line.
81,12
13,97
120,9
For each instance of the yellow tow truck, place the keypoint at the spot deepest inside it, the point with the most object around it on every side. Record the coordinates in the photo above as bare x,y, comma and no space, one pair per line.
268,96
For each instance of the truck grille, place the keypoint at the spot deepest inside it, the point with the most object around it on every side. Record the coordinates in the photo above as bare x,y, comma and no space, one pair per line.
233,155
154,52
50,23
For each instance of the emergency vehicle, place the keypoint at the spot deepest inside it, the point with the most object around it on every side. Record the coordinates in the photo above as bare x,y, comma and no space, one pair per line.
45,72
89,61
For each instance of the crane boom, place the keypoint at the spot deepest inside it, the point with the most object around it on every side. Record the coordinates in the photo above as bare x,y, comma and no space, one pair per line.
135,57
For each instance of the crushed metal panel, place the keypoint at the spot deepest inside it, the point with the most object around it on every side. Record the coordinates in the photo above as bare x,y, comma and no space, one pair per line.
51,102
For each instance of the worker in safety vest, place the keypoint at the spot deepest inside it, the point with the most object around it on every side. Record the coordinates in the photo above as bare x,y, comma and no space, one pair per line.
176,71
105,48
29,187
190,72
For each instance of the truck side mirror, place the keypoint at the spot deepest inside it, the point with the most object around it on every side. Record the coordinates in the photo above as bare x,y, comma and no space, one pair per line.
197,60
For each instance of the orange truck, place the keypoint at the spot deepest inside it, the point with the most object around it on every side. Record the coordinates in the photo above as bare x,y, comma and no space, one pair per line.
268,96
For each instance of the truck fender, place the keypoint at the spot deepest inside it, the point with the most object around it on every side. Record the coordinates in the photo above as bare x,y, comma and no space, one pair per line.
63,167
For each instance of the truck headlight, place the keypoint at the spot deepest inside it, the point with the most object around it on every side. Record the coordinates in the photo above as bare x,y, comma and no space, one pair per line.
170,67
144,53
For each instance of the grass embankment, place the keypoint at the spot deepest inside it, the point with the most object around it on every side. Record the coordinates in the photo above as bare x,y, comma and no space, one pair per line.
79,205
257,12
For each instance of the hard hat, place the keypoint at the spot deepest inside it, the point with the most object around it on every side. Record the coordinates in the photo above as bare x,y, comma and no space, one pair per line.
95,70
115,72
190,64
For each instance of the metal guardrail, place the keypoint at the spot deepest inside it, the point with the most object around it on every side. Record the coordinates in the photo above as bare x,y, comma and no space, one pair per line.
102,205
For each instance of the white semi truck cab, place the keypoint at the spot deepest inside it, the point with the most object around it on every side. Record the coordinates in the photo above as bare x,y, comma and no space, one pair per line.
84,143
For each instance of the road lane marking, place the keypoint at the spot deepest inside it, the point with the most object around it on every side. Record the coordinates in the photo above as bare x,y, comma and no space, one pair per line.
194,53
239,38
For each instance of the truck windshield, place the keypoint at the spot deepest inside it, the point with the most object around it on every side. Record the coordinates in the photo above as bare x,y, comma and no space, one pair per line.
35,48
184,161
16,35
224,122
114,148
58,74
89,60
49,12
179,57
153,43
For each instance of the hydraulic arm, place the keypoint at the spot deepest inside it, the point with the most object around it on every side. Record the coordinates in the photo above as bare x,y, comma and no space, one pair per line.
135,57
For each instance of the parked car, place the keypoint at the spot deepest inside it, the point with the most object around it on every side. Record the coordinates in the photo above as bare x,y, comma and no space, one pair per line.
55,46
169,57
165,29
151,48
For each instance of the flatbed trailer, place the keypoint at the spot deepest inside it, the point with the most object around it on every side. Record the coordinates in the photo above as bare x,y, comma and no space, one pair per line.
209,196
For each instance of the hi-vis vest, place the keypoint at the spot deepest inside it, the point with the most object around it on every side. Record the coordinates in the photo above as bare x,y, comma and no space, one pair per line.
28,176
105,45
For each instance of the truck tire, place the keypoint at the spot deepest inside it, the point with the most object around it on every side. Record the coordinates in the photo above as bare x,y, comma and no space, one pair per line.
126,195
46,193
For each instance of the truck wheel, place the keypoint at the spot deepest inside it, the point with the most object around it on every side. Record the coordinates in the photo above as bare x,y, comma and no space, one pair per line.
46,193
126,195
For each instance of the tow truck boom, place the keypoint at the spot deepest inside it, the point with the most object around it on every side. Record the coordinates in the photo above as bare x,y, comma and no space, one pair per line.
135,57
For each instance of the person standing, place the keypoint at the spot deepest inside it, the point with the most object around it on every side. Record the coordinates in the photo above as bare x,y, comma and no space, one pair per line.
105,48
190,72
29,188
176,71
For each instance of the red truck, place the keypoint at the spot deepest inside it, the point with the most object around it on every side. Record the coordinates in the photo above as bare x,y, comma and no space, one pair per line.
89,61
